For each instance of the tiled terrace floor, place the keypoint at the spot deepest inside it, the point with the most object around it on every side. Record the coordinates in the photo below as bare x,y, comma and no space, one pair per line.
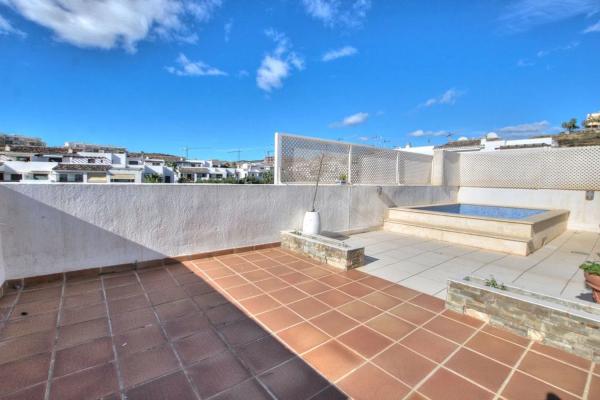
164,333
425,265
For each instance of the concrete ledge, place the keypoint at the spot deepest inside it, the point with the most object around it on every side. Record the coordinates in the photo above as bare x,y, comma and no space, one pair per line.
324,249
568,325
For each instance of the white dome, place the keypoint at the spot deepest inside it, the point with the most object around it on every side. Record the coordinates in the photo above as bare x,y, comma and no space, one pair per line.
462,138
491,135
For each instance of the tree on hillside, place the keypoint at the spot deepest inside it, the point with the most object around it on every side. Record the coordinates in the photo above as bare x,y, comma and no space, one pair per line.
570,125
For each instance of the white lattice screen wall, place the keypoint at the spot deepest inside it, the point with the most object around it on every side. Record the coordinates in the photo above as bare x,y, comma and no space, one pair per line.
569,168
297,161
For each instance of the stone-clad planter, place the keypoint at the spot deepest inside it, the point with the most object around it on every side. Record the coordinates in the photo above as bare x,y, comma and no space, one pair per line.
326,250
568,325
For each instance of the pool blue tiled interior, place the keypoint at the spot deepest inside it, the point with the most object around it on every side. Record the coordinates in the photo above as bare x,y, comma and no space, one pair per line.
477,210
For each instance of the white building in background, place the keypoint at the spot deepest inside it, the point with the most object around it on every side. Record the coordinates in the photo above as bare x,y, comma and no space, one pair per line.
490,142
204,170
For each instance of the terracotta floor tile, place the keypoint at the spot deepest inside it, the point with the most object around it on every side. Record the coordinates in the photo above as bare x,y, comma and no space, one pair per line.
225,314
115,280
248,390
244,291
160,284
26,346
375,282
390,326
279,318
293,380
381,300
121,292
22,373
128,304
482,370
146,365
90,383
511,337
271,284
166,295
139,339
561,355
71,335
313,287
404,364
81,287
300,265
334,298
40,295
335,280
359,310
8,300
411,313
199,346
197,288
330,393
28,325
316,272
288,295
522,387
175,309
219,272
333,360
475,323
401,292
498,349
334,323
356,289
36,308
83,299
303,337
242,332
559,374
444,385
309,307
365,341
355,274
597,369
449,329
132,320
217,373
81,314
369,382
295,278
230,281
174,386
244,267
210,300
429,302
83,356
268,263
259,304
429,345
257,275
594,392
36,392
264,354
186,326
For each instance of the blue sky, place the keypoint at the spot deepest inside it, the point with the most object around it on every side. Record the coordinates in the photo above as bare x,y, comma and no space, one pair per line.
158,75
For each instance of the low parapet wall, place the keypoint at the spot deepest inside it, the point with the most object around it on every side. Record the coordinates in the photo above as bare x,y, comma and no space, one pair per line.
53,228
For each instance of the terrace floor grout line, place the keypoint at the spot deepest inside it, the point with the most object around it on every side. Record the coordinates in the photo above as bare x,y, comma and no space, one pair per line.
112,342
512,371
55,342
588,383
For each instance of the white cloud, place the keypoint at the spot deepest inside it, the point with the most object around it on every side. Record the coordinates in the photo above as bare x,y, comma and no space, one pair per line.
570,46
524,62
521,15
351,120
593,28
524,130
6,28
448,97
337,12
277,65
116,23
345,51
422,133
227,28
186,67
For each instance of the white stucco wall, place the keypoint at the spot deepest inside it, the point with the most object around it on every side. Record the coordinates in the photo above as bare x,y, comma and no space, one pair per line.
585,214
61,227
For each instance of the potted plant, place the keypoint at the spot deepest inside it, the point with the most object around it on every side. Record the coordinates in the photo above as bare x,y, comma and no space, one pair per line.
342,180
591,270
312,221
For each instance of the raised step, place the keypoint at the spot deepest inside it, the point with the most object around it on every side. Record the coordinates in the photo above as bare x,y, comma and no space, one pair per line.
483,240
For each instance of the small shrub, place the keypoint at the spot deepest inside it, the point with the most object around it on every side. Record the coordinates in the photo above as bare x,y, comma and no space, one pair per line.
591,267
492,282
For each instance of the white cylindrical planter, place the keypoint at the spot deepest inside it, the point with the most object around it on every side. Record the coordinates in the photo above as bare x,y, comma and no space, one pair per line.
312,223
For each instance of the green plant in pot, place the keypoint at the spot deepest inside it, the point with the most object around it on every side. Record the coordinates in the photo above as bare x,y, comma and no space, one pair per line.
591,270
342,179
